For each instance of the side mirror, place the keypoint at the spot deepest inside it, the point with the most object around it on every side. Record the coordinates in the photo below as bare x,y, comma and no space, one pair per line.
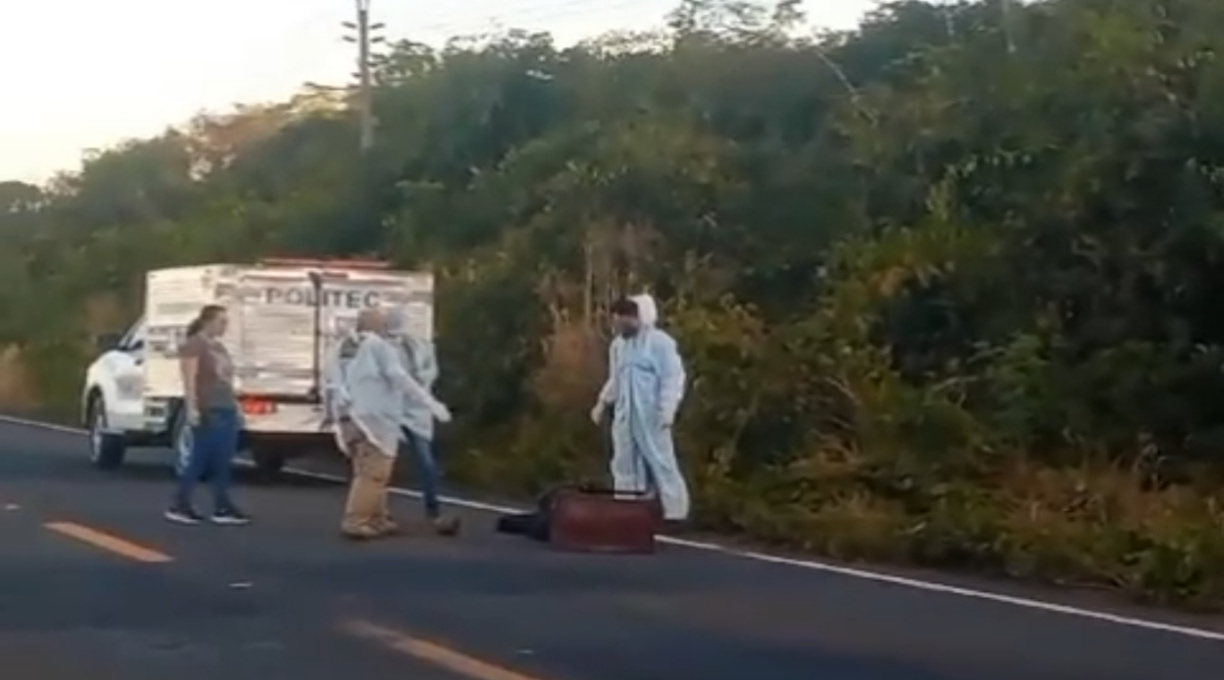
108,341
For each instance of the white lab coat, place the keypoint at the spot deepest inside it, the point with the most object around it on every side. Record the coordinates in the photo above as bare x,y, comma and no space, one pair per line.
365,380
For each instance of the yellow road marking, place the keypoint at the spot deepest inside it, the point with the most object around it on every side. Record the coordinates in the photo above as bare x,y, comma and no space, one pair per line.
107,542
430,652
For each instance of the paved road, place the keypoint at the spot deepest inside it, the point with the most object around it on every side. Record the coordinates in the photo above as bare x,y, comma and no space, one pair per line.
93,583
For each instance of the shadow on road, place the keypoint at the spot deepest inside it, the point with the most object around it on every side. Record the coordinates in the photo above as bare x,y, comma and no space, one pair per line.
246,476
24,465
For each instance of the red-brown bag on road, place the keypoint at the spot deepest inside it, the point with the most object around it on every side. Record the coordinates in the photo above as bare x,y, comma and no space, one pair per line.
589,519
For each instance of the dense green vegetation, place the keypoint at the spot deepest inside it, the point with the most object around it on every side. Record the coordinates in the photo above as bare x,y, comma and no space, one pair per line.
947,285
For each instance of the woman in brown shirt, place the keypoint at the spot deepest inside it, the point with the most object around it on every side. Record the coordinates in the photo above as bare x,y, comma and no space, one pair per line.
212,415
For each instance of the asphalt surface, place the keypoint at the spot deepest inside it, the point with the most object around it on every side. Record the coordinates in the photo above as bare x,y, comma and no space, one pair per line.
94,583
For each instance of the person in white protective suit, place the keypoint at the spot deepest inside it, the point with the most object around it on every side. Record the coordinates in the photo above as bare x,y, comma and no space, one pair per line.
421,362
644,388
365,385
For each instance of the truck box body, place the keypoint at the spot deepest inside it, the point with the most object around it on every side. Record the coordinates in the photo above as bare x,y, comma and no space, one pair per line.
284,321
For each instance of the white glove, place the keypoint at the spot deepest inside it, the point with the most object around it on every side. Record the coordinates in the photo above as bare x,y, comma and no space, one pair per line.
597,413
440,412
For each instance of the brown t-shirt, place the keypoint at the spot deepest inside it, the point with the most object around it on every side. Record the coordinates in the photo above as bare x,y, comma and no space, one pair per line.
215,376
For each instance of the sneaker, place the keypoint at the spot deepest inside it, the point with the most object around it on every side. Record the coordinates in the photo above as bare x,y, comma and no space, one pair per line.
183,514
446,526
230,517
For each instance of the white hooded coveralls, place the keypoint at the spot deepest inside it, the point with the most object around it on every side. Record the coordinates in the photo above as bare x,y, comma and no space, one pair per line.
645,387
420,359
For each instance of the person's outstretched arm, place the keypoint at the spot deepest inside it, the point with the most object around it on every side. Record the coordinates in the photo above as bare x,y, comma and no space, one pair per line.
428,366
392,369
336,398
189,370
607,394
671,379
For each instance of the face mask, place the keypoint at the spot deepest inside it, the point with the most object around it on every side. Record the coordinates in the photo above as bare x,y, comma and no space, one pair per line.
349,347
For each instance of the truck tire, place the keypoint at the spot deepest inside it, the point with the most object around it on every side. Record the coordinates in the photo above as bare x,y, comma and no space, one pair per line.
106,449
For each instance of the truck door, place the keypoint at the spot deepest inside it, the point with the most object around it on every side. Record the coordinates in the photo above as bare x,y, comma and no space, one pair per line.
126,365
276,344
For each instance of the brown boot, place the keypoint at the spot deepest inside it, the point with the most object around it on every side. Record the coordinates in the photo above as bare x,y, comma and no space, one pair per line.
362,532
387,526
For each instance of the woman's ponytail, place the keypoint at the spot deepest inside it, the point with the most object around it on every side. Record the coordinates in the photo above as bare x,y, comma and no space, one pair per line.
196,325
207,314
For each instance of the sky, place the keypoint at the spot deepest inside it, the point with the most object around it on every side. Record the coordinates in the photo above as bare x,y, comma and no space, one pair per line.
82,74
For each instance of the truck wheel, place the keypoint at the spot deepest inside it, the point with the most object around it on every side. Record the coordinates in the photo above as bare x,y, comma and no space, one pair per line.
268,462
106,449
181,442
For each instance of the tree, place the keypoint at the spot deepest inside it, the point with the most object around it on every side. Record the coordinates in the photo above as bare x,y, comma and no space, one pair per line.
19,197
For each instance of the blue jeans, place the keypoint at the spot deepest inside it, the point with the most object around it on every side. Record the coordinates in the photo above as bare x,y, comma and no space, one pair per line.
214,444
426,470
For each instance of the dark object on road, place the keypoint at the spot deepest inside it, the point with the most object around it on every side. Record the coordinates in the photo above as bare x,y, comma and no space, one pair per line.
600,520
534,524
446,526
589,518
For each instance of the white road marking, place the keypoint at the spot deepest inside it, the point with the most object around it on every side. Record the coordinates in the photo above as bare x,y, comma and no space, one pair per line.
811,565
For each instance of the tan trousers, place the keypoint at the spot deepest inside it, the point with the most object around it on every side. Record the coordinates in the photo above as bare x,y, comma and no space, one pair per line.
366,512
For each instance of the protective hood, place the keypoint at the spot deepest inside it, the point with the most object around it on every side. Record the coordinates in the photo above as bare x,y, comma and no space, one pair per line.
648,311
397,322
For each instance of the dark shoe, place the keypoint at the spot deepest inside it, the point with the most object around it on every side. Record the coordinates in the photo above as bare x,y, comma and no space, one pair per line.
446,526
183,514
675,527
230,516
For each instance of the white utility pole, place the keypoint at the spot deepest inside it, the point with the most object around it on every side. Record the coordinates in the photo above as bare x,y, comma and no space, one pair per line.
363,35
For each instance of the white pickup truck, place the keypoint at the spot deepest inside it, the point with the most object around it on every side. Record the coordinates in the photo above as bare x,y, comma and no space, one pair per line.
284,315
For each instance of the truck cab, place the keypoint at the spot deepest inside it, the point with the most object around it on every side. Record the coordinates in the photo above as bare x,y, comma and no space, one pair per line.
112,403
117,413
